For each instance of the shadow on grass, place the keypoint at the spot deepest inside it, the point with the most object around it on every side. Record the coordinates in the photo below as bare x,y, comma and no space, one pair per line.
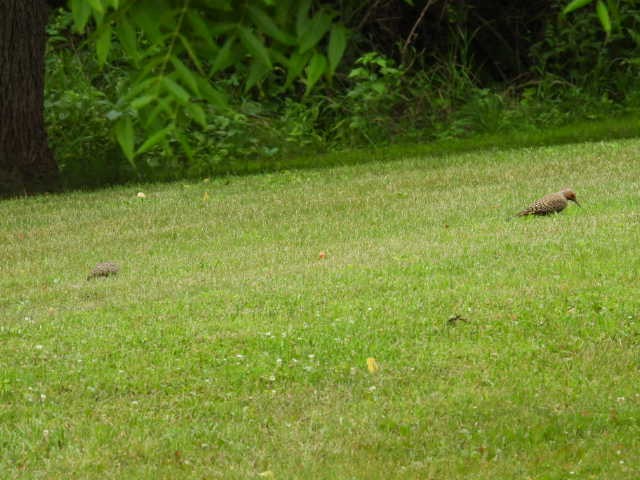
612,129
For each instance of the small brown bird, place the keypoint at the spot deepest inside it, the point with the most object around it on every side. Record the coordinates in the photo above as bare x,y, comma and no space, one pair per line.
104,270
552,203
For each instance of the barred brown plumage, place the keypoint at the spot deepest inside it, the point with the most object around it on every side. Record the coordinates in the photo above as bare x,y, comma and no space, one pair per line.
104,269
552,203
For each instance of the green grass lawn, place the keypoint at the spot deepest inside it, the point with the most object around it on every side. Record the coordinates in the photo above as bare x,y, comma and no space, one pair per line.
226,348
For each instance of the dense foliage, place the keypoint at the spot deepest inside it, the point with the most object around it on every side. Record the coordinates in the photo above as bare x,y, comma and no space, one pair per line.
164,89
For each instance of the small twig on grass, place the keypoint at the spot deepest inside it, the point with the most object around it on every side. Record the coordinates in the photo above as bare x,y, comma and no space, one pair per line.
457,318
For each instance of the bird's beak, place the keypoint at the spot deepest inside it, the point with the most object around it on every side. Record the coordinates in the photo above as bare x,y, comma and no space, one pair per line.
576,201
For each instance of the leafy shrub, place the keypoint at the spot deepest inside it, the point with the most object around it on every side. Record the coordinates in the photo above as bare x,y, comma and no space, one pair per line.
578,51
365,111
372,100
77,114
82,104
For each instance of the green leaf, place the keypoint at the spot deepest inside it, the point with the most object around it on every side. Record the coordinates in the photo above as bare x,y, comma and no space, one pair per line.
257,72
199,26
265,23
163,106
210,94
316,68
80,11
603,15
296,65
614,12
142,86
337,46
186,75
113,115
576,4
128,38
184,143
179,93
150,66
254,46
97,17
302,18
225,57
103,43
97,6
635,36
153,140
148,19
317,28
191,53
278,57
197,113
124,135
221,28
141,102
283,11
224,5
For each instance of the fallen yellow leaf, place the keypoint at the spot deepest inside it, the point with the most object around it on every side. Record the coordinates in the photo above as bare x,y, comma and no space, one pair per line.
372,365
205,197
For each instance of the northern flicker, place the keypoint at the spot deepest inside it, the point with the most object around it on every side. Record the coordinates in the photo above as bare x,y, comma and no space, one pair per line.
552,203
104,270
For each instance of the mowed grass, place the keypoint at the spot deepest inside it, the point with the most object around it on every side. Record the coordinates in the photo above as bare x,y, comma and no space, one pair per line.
226,348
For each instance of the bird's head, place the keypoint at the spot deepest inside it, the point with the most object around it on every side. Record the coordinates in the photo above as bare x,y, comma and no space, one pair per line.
570,195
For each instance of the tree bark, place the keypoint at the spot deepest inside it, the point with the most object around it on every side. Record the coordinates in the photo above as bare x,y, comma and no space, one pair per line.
27,165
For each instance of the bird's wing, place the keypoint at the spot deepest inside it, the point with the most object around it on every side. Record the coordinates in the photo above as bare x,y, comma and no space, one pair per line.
531,209
554,203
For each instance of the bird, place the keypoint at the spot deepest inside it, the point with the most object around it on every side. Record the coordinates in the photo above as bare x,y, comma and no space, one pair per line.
104,269
551,203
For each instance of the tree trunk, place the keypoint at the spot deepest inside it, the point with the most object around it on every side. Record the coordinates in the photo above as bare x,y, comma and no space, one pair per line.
26,164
